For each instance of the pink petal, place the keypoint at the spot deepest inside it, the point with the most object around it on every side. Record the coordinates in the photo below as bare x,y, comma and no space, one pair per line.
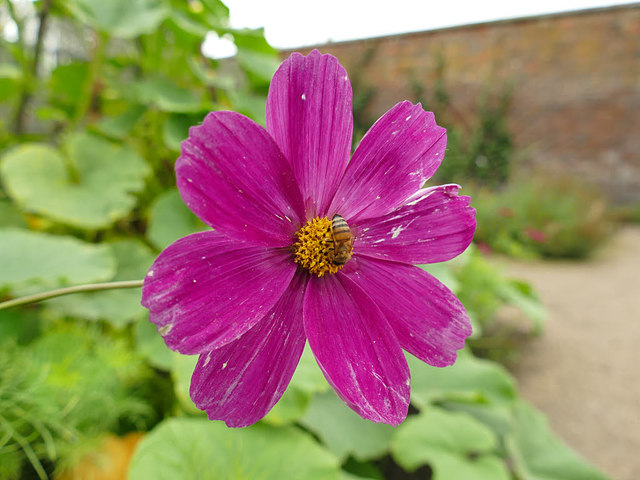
241,381
401,151
428,320
205,290
436,225
232,175
309,115
356,349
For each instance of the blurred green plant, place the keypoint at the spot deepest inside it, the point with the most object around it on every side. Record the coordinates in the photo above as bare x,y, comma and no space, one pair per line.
479,148
554,217
504,312
66,388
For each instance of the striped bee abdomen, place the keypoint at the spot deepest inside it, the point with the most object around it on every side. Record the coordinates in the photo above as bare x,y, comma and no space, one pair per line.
342,241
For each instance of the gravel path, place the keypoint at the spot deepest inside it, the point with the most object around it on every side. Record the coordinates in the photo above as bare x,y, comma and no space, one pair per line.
584,371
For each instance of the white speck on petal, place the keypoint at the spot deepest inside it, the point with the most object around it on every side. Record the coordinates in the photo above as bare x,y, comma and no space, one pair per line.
194,280
345,78
189,180
165,330
150,274
303,96
407,119
202,258
224,365
396,231
207,359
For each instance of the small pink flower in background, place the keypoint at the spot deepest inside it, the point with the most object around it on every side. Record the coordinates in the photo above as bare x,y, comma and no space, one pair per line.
247,295
536,235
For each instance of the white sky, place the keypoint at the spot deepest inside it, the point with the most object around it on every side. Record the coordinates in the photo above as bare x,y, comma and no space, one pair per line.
296,23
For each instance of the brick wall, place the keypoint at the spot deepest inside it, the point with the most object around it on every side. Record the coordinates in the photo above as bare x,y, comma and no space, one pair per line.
575,79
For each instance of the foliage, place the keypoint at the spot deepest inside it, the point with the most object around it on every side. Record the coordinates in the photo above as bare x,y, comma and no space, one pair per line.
487,295
88,139
479,148
542,216
70,384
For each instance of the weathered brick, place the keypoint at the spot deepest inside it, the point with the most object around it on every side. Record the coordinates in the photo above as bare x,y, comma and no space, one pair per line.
576,79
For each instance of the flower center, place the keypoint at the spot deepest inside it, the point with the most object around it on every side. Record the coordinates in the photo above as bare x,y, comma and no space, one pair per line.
315,249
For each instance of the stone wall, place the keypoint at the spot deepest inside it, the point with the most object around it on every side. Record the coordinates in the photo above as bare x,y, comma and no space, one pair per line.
575,78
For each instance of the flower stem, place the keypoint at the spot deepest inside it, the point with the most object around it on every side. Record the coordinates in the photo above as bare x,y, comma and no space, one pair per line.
90,287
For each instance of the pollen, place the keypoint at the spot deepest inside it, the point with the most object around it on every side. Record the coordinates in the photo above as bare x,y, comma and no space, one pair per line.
312,248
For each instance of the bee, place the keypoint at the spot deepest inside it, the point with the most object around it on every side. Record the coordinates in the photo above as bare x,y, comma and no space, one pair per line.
342,241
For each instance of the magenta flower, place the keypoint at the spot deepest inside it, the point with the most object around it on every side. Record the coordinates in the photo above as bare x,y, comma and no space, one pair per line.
247,295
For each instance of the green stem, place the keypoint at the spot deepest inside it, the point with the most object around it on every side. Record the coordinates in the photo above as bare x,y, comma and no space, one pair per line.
90,287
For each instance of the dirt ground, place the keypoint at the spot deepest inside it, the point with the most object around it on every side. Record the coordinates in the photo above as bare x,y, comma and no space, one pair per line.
584,371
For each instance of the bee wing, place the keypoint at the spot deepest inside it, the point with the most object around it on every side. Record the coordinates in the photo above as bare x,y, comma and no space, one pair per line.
354,232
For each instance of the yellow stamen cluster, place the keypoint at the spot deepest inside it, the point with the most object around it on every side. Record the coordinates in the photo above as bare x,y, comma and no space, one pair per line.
313,245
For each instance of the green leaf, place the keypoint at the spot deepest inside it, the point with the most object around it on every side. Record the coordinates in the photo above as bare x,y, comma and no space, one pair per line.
198,449
65,83
10,76
165,95
453,444
30,258
521,295
9,216
151,346
170,219
176,129
91,190
255,56
182,367
538,454
118,307
199,18
306,382
343,431
119,126
249,104
469,380
121,18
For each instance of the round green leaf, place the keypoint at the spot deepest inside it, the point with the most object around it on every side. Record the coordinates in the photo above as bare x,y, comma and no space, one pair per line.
306,382
118,307
9,216
30,258
121,18
453,444
92,190
170,219
198,449
343,431
470,379
537,454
